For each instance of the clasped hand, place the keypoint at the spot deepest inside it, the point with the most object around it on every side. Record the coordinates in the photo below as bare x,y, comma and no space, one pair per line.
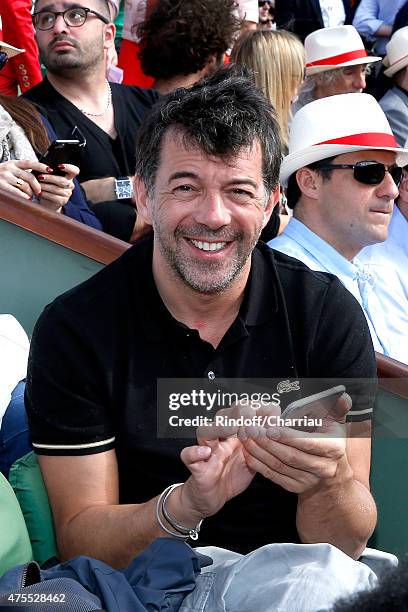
227,458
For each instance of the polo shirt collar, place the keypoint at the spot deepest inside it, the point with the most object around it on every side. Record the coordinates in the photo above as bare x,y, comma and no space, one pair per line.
260,302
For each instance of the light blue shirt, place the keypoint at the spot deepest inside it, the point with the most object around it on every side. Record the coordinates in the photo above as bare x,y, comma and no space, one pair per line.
372,14
392,253
377,291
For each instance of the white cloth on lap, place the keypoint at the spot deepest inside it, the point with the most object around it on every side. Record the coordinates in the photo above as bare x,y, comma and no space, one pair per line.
14,347
277,578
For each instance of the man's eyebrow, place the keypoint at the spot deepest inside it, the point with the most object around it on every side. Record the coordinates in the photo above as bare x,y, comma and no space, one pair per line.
192,175
68,5
182,174
243,181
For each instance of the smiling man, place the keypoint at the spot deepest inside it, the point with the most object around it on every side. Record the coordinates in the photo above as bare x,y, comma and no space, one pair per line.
202,299
342,174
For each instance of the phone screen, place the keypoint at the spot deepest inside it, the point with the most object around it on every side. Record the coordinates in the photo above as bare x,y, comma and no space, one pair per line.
317,405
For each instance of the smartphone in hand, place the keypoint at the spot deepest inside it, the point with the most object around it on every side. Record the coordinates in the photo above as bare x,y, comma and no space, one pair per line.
319,405
61,152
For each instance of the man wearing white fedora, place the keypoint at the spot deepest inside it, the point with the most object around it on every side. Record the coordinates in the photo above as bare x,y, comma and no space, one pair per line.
336,63
395,102
342,175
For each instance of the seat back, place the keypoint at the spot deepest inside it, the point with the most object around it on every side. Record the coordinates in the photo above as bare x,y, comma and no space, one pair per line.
43,254
26,479
15,547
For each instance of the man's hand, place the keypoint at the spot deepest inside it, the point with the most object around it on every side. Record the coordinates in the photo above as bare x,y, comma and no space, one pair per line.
218,467
298,460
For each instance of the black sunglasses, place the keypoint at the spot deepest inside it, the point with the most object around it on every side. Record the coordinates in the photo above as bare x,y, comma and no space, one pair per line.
368,172
3,59
263,2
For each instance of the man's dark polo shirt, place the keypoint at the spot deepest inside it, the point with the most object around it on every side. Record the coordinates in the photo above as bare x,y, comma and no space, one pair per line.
98,350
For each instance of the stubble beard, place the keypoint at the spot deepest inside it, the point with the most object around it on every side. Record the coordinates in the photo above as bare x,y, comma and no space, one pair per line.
60,63
210,277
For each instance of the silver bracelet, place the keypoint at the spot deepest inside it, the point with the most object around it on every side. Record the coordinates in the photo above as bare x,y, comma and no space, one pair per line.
191,532
162,525
182,531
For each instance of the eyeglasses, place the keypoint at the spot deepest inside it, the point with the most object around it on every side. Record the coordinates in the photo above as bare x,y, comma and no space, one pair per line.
3,59
73,17
263,2
368,172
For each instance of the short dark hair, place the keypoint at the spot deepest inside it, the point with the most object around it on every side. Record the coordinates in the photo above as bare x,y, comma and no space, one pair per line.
104,4
391,593
220,115
293,192
178,37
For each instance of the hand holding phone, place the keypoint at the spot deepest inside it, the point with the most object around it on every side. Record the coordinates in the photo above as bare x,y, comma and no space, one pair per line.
319,405
61,152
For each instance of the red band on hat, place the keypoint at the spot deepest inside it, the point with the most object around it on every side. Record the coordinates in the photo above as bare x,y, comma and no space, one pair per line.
368,139
339,59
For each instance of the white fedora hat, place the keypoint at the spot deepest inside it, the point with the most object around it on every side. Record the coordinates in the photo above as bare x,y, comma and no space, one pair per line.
397,52
331,48
9,49
338,124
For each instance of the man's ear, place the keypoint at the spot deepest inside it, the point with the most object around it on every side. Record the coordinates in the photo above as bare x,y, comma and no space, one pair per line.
308,182
142,199
273,200
110,32
403,188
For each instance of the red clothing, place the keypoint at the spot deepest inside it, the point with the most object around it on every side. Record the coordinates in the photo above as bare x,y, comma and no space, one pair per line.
23,69
131,66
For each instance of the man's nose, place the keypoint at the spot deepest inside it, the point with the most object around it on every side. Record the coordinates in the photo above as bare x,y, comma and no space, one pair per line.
387,188
360,81
59,25
213,212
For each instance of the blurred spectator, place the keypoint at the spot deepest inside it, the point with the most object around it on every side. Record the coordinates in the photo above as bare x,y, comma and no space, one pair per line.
401,19
182,42
248,14
135,12
306,16
138,11
342,178
374,20
395,102
266,15
336,62
276,60
20,72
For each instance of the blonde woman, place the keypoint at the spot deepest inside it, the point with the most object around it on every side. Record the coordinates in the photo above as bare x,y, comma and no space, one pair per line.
277,61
